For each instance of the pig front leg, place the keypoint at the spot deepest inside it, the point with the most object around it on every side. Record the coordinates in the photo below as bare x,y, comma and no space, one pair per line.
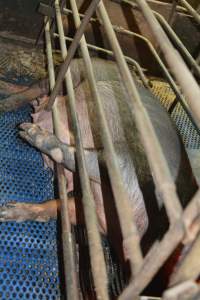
61,153
42,212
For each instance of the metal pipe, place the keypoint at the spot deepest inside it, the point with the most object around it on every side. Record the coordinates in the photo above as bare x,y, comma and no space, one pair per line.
178,7
191,10
153,261
175,62
139,69
95,247
131,238
68,11
159,253
72,49
172,12
157,161
189,266
68,253
146,82
178,43
165,71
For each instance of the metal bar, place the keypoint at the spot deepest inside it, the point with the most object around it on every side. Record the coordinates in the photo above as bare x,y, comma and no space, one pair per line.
178,43
172,14
175,62
157,161
191,10
139,69
69,11
153,261
72,49
165,71
42,30
178,7
159,253
95,247
131,61
69,262
189,267
129,231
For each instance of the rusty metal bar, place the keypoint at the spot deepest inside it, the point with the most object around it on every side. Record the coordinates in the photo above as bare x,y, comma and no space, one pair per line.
158,164
129,231
191,10
159,253
175,62
68,249
72,49
146,82
95,247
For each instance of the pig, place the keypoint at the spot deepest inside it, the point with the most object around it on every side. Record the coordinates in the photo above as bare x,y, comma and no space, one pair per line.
133,164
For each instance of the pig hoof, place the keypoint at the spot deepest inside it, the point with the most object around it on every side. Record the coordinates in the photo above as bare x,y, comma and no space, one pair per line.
40,103
37,137
20,212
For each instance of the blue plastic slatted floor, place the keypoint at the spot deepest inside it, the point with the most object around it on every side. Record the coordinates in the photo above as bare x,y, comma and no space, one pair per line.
28,251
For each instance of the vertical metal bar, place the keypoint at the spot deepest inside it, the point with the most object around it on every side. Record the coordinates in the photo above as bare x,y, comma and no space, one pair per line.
175,62
172,13
158,164
68,249
129,230
95,247
72,49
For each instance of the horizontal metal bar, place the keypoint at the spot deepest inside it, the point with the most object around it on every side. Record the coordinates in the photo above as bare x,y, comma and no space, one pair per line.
69,11
157,161
178,7
191,10
94,240
144,79
175,62
146,82
68,248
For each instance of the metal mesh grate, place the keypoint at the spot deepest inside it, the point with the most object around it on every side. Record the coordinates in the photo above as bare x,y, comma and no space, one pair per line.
29,266
190,136
28,251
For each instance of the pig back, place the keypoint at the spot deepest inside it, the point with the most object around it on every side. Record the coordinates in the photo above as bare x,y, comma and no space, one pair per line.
124,132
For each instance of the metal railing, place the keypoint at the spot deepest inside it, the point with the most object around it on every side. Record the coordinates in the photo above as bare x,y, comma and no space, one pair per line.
142,268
